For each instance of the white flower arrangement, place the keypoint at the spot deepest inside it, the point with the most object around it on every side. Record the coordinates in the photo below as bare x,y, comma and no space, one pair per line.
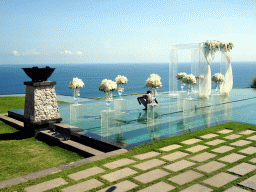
108,85
218,77
154,81
200,77
76,83
180,76
189,79
121,79
219,45
226,46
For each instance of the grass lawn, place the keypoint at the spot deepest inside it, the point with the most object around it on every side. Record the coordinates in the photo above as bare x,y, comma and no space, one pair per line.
29,153
23,156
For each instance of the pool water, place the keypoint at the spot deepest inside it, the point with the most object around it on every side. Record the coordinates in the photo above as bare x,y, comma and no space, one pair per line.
174,116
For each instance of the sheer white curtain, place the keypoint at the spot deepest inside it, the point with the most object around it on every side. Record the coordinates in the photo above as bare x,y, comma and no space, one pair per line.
228,82
205,83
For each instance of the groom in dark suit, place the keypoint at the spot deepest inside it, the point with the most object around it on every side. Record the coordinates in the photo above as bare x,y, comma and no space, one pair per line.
146,99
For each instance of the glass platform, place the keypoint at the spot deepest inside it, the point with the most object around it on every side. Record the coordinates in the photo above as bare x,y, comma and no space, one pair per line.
176,116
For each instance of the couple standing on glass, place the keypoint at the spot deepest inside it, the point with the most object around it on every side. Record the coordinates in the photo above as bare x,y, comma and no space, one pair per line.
146,99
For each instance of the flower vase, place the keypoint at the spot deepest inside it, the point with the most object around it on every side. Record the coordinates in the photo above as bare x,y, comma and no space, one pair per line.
120,90
182,85
190,89
217,87
154,92
108,99
76,94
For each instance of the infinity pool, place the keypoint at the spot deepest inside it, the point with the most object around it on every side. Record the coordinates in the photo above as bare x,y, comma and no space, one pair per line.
175,116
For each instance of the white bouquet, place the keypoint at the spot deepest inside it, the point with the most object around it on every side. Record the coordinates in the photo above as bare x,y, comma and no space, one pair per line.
218,77
212,45
154,81
226,46
76,83
200,77
189,79
121,79
107,85
180,76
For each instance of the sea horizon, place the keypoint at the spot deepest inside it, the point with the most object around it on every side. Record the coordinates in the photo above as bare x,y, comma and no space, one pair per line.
12,76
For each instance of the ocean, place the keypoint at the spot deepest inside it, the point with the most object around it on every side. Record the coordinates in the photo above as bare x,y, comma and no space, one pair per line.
12,76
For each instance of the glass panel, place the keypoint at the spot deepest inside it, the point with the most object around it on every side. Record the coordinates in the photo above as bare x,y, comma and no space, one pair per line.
134,127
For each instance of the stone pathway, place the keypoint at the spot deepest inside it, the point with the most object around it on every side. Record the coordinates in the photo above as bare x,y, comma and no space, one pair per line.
228,160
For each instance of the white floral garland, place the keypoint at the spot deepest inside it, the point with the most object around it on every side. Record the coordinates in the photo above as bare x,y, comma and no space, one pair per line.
219,45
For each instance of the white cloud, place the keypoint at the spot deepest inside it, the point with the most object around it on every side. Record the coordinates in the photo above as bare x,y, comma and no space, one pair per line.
79,53
25,53
66,52
16,53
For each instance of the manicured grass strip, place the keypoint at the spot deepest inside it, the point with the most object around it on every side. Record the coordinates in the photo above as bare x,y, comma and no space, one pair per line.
155,146
12,103
23,156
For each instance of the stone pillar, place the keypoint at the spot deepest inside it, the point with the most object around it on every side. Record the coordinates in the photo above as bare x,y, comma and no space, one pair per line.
41,107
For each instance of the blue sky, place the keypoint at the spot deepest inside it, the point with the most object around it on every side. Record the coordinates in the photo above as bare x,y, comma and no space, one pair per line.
111,31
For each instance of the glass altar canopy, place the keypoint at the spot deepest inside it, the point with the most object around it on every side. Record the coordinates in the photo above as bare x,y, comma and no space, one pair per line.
200,59
186,53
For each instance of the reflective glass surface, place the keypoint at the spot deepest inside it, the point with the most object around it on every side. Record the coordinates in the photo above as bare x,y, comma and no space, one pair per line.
175,116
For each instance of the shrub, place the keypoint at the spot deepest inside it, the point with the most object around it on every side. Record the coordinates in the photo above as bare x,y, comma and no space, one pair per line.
254,83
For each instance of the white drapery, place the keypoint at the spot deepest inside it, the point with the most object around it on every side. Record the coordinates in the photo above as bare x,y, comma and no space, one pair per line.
205,83
228,81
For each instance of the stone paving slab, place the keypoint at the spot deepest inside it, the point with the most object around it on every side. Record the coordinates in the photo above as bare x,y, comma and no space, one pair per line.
191,141
225,131
147,155
149,164
220,179
46,185
120,187
249,150
231,158
211,166
159,187
170,147
179,165
13,181
84,186
185,177
247,132
252,138
174,156
119,163
209,136
240,143
120,174
215,142
151,176
233,136
202,157
235,189
242,169
197,188
250,182
223,149
253,160
196,148
86,173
